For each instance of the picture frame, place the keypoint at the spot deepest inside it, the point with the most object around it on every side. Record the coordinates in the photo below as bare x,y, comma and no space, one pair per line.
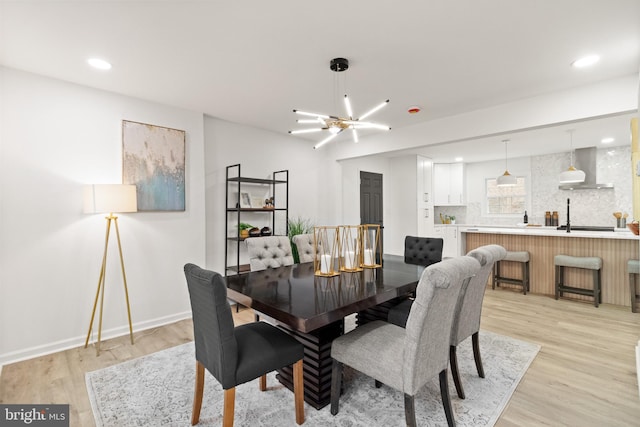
245,200
153,159
257,202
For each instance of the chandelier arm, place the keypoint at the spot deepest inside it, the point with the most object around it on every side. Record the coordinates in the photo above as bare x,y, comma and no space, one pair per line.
327,139
306,113
373,110
347,105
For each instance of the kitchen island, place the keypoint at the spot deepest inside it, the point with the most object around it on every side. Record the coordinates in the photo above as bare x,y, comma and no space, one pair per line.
543,243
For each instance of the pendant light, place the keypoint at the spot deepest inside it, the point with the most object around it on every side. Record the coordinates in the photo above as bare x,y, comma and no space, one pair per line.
571,175
506,179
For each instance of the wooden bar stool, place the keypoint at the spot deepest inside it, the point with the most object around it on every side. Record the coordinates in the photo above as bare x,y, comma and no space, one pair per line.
589,263
633,268
512,256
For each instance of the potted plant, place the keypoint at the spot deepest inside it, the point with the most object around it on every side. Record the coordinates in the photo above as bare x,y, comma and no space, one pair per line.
298,226
453,219
243,229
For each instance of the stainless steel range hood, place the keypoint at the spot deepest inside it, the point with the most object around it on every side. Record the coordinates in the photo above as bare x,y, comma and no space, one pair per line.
585,159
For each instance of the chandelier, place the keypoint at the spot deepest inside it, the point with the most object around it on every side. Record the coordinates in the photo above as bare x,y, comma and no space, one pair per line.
335,125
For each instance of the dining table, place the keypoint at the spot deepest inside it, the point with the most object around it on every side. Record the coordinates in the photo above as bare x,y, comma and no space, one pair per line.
313,308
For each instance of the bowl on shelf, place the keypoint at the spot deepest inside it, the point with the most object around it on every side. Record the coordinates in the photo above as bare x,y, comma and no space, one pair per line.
254,232
633,226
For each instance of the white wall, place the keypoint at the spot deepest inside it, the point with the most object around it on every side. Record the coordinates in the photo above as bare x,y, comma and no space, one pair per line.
55,137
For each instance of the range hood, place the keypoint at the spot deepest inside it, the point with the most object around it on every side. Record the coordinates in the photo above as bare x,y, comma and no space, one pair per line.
585,159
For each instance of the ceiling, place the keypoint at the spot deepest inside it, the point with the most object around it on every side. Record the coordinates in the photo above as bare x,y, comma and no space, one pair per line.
253,61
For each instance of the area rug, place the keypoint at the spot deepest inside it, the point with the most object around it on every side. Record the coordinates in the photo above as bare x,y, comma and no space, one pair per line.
157,390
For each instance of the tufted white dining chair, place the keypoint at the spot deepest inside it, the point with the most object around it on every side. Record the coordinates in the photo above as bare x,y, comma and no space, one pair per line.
269,252
304,245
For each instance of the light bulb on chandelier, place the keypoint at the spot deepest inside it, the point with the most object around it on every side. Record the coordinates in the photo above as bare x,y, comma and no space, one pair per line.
336,124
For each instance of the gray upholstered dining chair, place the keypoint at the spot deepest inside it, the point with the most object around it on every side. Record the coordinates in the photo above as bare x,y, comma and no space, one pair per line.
407,358
423,251
466,322
304,245
235,355
269,252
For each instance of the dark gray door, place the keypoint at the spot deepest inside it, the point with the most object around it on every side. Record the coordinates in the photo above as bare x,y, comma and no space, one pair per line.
371,202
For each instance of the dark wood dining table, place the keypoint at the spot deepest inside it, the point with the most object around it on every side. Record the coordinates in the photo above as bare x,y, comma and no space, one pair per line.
313,308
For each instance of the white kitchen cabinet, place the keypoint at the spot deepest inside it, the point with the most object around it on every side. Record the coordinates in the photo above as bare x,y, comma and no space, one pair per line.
448,184
451,240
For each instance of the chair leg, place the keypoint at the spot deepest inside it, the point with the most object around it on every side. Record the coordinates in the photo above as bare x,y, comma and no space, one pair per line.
632,291
496,274
453,361
263,383
409,411
557,280
476,354
298,391
597,295
524,277
229,407
446,400
336,383
197,394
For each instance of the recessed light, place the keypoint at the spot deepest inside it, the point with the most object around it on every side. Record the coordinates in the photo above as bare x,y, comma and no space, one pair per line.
98,63
607,140
458,159
585,61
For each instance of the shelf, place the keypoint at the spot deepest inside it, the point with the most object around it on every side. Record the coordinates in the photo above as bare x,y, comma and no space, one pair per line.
235,186
255,209
256,180
243,268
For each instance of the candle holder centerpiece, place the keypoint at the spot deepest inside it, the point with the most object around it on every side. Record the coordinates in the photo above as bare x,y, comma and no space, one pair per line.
371,245
326,250
351,248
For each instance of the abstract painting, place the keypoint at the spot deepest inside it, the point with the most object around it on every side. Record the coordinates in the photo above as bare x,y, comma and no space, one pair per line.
153,158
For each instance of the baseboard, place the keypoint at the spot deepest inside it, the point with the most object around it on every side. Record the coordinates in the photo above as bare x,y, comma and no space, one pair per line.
54,347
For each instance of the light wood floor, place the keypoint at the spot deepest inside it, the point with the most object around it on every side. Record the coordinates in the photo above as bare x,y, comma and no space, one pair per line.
584,375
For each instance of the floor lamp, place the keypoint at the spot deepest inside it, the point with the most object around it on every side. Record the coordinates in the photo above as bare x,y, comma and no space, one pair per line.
102,198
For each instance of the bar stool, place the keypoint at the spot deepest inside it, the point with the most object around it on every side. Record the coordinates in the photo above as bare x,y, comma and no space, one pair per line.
589,263
633,268
521,257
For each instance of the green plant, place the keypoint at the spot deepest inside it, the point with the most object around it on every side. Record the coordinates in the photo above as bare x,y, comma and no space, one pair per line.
244,226
297,226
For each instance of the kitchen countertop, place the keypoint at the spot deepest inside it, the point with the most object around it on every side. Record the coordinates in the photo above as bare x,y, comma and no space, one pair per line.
619,233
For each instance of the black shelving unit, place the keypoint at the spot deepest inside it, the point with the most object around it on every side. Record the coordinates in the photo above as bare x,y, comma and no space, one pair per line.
278,186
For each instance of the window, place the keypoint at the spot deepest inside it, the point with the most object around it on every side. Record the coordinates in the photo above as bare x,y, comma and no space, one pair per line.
506,200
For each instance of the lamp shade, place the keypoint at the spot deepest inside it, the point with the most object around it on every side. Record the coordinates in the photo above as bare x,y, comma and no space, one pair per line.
103,198
506,180
572,175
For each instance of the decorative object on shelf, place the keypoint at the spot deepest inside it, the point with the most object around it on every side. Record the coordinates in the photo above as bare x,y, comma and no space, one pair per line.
153,159
245,200
571,175
335,124
243,229
506,179
298,226
254,232
633,226
103,198
351,248
371,245
269,203
265,231
326,246
452,219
